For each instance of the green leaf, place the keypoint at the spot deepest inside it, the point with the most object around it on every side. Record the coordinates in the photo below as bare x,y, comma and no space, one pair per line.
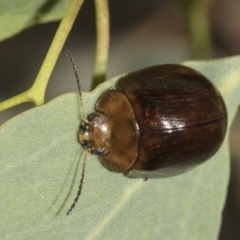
16,15
40,173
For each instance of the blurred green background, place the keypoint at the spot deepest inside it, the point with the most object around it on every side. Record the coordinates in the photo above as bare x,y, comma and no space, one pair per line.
143,33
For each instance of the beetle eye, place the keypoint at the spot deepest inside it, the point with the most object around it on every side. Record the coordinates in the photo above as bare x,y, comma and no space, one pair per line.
98,151
93,117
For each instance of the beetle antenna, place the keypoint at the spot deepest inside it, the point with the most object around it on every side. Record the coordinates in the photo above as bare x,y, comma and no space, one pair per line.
81,183
78,84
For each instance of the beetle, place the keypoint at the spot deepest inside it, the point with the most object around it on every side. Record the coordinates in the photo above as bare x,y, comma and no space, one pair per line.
158,122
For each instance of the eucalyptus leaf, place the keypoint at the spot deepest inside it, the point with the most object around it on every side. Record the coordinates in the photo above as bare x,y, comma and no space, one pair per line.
40,169
17,15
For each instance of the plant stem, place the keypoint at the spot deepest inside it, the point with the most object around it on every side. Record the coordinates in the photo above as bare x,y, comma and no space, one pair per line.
200,30
37,92
102,46
196,13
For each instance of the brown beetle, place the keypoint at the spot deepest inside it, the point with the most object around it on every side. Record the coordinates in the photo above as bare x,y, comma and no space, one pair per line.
158,122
